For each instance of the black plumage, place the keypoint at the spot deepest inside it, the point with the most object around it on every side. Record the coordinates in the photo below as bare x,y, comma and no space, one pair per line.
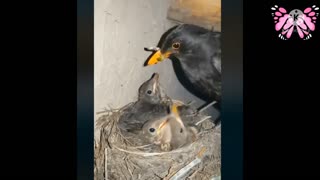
196,56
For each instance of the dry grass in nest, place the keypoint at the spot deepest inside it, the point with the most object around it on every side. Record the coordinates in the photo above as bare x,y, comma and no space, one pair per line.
117,157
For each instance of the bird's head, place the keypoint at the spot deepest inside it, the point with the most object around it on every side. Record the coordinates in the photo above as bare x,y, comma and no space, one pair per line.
149,91
180,41
154,129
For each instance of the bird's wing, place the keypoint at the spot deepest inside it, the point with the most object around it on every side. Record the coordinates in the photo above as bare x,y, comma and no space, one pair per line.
211,44
214,40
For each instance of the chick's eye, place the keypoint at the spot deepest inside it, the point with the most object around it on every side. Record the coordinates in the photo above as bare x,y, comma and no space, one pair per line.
176,45
152,130
149,92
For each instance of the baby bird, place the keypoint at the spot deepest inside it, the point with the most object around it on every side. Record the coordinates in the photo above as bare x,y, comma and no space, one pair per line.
182,114
152,104
157,132
169,132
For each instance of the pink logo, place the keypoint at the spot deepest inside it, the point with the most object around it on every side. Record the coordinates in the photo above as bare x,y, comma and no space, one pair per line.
302,22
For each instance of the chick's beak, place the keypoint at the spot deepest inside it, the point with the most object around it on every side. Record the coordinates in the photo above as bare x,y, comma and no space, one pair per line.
162,125
155,80
158,57
156,77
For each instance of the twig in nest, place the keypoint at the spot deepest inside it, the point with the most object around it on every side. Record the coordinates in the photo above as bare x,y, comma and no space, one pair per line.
156,175
134,165
207,106
182,172
107,110
143,146
205,131
121,169
205,118
193,174
111,130
147,154
104,111
170,171
112,110
126,141
127,165
108,143
102,144
102,122
106,163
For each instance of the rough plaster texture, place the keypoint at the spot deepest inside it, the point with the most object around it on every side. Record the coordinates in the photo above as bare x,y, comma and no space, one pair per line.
122,30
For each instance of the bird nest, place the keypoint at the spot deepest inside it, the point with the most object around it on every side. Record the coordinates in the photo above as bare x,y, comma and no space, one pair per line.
119,157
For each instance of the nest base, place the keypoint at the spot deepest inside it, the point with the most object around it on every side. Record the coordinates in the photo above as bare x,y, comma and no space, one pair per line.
116,158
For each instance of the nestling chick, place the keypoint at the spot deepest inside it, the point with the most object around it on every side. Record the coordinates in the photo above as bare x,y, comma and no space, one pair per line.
152,104
169,132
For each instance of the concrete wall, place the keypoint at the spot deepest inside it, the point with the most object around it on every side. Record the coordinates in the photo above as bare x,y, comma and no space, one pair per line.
122,29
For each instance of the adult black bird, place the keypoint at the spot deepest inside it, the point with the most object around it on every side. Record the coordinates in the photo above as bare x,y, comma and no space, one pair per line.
196,56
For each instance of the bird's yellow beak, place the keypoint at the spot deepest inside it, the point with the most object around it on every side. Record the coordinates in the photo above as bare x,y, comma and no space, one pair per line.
157,57
162,125
174,109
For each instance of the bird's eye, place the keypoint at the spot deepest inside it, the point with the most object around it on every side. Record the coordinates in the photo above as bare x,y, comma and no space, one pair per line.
176,45
152,130
149,92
